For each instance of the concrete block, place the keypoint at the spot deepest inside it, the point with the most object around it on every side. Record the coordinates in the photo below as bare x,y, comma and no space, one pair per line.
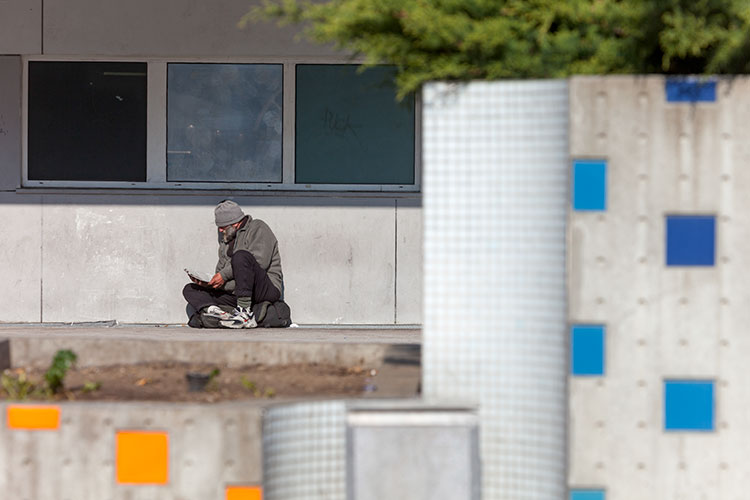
20,27
20,258
10,117
417,453
188,28
408,261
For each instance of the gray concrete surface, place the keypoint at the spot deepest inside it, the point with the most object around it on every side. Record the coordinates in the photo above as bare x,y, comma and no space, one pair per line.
10,119
21,258
209,447
408,261
32,345
82,257
20,26
172,27
661,322
412,451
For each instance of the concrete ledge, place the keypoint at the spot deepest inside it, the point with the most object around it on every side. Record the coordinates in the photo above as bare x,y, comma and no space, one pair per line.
96,346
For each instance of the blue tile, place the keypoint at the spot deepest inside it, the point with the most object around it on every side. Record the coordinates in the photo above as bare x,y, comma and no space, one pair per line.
587,349
690,90
590,185
688,405
587,495
691,240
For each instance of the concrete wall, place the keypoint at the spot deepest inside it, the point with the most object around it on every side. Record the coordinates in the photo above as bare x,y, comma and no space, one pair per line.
292,450
209,448
143,28
686,323
20,27
100,257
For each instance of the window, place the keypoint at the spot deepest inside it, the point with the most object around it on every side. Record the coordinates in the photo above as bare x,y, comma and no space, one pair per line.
87,121
173,124
689,405
587,351
589,185
350,130
690,89
587,494
691,240
224,122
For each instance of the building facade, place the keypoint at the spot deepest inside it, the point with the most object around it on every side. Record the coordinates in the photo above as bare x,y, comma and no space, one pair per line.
123,124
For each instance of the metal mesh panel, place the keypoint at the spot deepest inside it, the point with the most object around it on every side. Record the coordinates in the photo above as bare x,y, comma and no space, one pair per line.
304,451
495,194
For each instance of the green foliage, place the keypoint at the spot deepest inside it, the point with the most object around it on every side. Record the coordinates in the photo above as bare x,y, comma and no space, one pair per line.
17,386
61,363
495,39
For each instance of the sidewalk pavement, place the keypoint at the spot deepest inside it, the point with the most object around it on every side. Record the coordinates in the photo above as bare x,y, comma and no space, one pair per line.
346,334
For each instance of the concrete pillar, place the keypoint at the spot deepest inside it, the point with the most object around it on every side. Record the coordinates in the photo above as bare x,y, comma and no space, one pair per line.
495,183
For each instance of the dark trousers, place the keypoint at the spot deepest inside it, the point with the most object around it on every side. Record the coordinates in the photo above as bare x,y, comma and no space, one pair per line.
250,280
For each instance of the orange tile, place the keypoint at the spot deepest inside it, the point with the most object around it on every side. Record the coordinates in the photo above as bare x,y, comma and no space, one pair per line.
33,417
142,457
244,493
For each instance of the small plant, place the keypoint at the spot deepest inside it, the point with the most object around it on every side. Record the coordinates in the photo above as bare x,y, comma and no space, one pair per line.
253,387
250,386
55,376
212,383
17,385
90,386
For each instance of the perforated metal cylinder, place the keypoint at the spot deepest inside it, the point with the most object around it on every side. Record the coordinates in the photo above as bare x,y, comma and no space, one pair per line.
304,451
495,177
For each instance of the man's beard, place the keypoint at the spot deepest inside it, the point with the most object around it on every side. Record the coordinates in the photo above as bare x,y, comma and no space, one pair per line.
229,234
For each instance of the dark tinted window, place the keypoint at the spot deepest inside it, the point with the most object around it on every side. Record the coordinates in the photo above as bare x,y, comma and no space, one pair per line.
87,121
350,129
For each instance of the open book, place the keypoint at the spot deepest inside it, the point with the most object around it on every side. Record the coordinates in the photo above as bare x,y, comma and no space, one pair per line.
200,276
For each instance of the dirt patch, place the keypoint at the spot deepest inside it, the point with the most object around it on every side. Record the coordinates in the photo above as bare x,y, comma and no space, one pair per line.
166,381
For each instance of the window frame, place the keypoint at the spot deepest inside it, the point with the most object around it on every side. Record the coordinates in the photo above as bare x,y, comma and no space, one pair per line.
156,131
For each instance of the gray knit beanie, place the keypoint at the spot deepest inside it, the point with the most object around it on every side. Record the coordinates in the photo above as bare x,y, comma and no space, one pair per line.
227,212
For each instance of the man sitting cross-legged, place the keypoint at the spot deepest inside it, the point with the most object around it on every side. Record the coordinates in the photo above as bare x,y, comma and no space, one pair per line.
248,271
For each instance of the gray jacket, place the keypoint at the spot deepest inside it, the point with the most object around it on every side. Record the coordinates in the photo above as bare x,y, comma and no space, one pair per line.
258,239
